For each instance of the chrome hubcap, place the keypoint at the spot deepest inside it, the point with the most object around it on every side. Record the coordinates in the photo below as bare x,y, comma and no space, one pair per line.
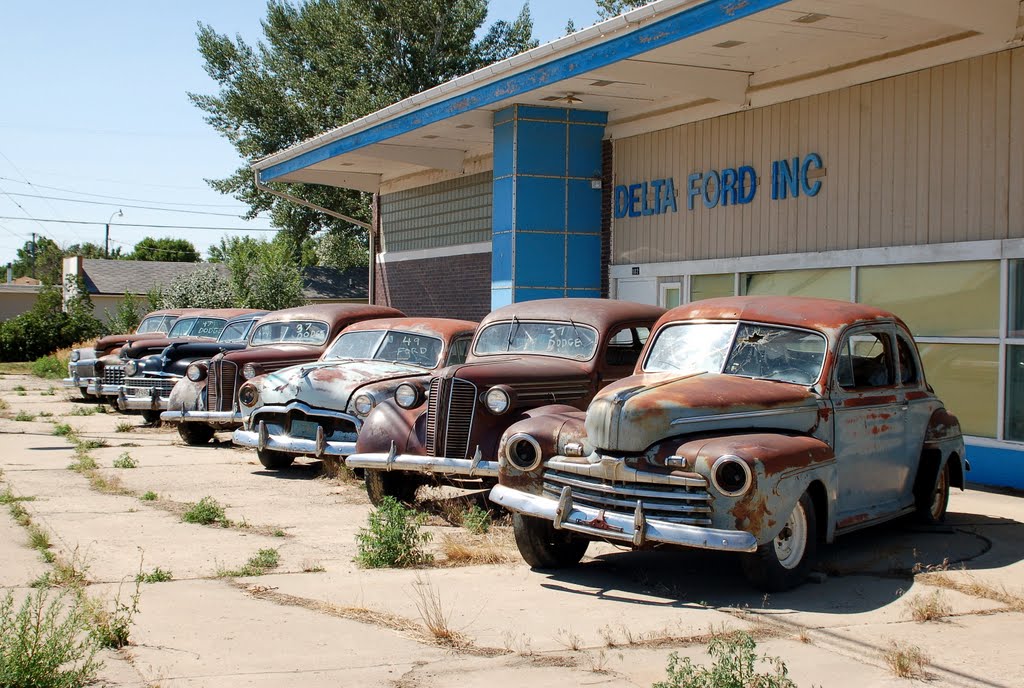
791,542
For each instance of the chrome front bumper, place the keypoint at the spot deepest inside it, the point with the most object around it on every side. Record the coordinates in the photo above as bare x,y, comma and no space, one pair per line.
262,439
208,417
636,529
78,382
392,461
98,389
154,402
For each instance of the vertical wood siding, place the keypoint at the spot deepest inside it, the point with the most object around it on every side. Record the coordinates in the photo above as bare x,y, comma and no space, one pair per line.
930,157
457,211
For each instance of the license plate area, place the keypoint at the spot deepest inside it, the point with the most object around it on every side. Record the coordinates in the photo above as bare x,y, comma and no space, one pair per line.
303,429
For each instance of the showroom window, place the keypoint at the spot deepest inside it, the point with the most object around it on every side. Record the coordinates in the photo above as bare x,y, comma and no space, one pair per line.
826,284
712,286
1013,426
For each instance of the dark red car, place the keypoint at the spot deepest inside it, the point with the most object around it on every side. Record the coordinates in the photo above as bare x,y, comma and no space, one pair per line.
530,354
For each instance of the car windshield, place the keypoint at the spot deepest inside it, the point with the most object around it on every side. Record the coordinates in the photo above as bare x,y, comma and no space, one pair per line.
561,339
237,331
296,332
155,323
198,327
387,345
744,349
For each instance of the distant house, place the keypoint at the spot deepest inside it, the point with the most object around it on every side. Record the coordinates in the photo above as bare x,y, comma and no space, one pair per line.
17,295
107,281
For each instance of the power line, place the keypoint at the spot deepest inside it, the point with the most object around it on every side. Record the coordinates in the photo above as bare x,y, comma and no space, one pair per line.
27,181
138,207
121,198
130,224
27,214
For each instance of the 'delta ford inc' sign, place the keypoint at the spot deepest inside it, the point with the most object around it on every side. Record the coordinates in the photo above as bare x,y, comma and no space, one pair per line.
730,186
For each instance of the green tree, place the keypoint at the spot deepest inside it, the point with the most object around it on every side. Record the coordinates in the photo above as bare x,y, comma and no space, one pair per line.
204,287
51,324
324,63
42,260
606,9
165,249
263,274
90,250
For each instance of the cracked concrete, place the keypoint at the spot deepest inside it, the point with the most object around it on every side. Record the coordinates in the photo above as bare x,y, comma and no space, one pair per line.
612,621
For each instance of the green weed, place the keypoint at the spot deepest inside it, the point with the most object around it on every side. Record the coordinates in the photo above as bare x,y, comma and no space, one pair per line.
735,666
258,564
125,460
476,520
157,575
149,496
393,538
124,426
25,417
63,430
205,512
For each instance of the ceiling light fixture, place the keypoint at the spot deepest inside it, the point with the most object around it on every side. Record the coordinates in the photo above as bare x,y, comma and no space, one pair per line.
571,99
810,18
728,44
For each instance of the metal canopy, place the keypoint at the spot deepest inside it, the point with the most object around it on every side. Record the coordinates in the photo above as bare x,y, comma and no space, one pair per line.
665,64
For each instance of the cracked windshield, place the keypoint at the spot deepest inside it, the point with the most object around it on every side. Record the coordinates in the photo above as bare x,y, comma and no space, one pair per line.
565,340
398,347
760,351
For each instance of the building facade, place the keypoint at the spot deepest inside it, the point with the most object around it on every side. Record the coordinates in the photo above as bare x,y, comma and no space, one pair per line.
861,151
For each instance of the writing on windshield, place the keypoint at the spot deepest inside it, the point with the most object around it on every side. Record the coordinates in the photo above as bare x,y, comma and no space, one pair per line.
387,345
296,332
561,339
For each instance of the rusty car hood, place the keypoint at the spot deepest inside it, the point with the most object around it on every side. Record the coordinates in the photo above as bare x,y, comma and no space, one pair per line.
331,384
635,412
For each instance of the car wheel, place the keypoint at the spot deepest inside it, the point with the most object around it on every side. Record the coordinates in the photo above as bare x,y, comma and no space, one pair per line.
151,417
544,547
195,434
932,504
398,485
85,393
783,563
274,460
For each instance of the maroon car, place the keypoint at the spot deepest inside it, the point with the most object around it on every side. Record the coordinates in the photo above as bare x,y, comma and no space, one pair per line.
206,400
530,354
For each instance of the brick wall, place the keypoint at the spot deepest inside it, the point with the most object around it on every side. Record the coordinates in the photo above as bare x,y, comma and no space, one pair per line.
457,286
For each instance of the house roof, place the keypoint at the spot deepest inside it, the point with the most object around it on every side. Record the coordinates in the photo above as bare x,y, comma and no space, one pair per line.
140,276
671,62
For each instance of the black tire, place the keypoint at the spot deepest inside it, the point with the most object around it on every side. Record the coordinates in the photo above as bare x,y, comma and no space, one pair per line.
784,563
151,417
933,502
274,460
398,485
85,393
543,547
195,434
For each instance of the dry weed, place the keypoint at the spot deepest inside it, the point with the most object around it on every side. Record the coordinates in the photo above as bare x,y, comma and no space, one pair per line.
568,639
466,549
969,585
929,607
435,617
906,661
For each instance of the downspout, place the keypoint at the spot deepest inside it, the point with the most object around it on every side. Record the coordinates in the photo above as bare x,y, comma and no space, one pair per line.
312,206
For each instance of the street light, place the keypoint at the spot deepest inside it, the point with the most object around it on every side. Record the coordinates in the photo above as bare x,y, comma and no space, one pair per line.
106,238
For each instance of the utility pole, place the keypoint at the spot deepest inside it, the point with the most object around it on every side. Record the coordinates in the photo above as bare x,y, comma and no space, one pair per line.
33,255
106,236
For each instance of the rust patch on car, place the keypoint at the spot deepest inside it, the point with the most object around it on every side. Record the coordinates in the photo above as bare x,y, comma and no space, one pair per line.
750,512
870,401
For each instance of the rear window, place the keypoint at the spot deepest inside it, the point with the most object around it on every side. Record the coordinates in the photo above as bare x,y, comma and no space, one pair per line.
156,323
310,332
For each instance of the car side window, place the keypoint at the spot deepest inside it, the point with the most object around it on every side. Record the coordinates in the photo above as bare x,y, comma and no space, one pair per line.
625,345
908,366
458,351
865,361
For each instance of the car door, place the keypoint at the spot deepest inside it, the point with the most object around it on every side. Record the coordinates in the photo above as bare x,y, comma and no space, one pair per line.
870,425
918,405
622,351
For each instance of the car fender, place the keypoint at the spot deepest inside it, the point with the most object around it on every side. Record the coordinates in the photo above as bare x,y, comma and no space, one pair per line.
388,422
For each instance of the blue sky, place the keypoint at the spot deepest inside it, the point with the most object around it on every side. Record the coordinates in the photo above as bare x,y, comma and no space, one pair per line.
93,108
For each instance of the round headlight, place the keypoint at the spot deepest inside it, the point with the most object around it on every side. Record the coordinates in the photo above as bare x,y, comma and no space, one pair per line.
248,395
75,355
196,372
408,395
364,404
731,475
497,401
523,451
131,367
250,370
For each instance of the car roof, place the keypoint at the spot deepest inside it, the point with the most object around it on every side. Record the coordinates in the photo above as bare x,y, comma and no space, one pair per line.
813,313
331,312
227,313
438,327
598,313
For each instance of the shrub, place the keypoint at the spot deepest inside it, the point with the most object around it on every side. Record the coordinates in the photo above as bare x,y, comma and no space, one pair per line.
50,367
126,316
125,460
476,520
205,512
42,644
51,324
204,287
393,539
734,667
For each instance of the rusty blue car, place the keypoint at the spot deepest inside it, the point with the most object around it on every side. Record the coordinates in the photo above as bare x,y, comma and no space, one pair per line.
757,425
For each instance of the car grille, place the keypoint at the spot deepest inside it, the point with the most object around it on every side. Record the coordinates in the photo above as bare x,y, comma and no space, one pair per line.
113,375
662,500
222,381
144,386
451,405
335,428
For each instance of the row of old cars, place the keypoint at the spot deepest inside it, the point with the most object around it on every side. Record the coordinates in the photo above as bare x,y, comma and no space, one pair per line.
756,425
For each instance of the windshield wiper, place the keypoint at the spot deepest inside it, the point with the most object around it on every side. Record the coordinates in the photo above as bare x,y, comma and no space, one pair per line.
514,323
576,330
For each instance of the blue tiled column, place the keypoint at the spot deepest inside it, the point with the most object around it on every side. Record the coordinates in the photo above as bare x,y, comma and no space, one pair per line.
547,211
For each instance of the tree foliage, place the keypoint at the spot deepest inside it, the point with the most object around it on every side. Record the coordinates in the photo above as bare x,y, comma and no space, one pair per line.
42,260
204,287
165,249
49,325
325,63
263,274
606,9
